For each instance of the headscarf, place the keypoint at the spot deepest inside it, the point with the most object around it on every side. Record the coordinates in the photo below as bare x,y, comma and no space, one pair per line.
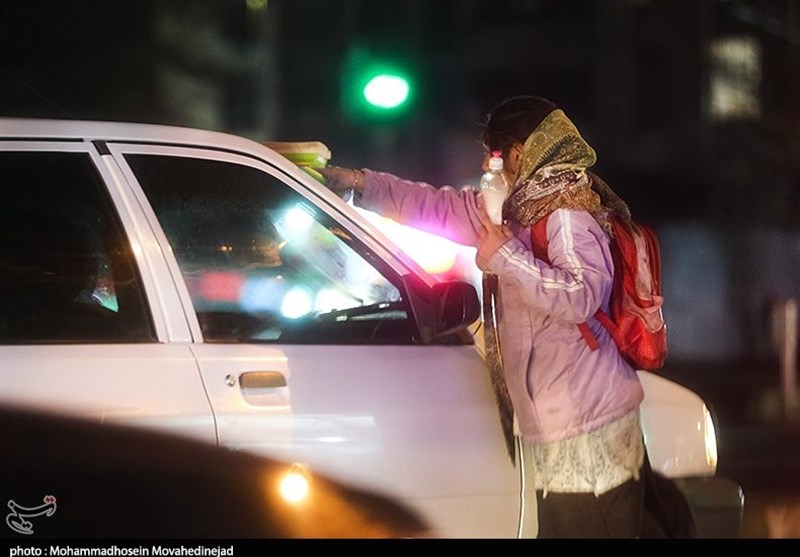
553,173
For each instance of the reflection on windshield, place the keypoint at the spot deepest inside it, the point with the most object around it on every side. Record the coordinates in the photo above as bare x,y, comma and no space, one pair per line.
262,263
300,270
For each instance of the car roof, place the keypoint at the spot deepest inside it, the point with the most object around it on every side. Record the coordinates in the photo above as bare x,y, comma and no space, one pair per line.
40,128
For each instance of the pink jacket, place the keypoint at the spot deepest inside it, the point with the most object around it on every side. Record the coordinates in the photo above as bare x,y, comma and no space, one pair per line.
558,385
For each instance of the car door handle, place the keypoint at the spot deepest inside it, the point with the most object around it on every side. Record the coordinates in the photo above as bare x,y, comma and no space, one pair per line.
262,380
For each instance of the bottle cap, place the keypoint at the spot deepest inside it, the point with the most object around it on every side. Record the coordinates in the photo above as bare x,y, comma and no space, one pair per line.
496,162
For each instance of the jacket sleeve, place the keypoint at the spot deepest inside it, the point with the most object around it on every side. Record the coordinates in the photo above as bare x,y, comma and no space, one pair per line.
442,211
579,279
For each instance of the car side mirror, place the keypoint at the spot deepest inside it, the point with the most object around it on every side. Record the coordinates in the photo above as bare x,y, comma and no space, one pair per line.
457,306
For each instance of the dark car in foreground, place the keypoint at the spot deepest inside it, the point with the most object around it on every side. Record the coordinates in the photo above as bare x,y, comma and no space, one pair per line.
67,478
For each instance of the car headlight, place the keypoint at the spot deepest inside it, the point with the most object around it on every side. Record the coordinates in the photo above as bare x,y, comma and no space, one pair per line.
710,439
294,485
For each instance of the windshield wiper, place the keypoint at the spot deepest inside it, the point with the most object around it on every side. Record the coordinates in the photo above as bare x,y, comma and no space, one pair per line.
379,309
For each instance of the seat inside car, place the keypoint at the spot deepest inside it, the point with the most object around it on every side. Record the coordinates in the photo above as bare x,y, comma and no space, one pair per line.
50,271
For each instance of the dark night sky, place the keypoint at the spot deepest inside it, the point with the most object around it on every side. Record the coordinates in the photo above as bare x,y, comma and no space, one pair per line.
631,74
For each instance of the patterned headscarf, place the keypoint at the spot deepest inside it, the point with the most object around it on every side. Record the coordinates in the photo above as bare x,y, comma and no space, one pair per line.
553,173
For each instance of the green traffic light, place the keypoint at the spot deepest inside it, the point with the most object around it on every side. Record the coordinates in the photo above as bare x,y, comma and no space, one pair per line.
376,88
386,91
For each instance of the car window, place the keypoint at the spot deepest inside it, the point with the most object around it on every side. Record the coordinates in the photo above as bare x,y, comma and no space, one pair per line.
67,274
262,263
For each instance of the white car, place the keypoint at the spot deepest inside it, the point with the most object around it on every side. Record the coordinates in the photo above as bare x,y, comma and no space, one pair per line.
199,283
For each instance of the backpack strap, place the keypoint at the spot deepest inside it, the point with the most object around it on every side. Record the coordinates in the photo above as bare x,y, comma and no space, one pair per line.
539,239
539,247
587,334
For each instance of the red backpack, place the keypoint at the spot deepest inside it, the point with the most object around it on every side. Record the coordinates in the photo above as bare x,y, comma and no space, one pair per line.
634,319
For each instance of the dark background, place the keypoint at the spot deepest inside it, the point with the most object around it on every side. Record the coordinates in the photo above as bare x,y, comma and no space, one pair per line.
692,105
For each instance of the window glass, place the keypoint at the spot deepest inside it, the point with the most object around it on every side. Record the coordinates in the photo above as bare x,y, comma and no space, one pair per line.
735,78
67,274
262,263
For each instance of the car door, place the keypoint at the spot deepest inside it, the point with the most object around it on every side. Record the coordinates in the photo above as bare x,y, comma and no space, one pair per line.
306,334
83,329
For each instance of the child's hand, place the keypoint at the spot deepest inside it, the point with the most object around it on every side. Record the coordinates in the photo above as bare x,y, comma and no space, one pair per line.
340,179
490,238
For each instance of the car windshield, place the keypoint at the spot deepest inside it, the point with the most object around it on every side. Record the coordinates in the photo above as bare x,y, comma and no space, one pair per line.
262,263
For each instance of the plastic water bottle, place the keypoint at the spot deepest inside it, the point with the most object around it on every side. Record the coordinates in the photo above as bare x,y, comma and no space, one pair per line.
494,188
